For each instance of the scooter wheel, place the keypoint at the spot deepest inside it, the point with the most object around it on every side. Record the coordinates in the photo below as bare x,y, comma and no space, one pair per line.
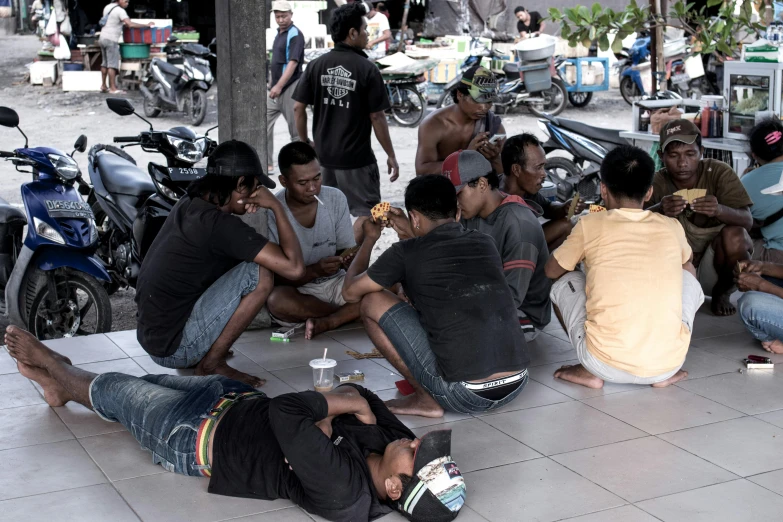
629,90
580,99
151,109
445,100
198,108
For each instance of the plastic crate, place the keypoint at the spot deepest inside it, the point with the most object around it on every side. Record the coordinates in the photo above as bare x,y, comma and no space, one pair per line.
146,35
537,76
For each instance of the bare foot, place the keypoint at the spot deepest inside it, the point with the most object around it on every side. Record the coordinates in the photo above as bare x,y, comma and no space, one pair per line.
578,375
316,326
721,305
27,350
225,370
420,403
671,380
773,346
54,394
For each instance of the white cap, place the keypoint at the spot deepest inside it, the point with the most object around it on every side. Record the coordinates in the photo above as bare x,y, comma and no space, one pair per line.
281,5
776,189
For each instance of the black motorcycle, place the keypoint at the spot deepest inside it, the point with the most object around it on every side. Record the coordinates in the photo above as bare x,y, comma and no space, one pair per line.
180,83
130,206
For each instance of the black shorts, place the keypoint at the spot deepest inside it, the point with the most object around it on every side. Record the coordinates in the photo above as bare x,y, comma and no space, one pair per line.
362,186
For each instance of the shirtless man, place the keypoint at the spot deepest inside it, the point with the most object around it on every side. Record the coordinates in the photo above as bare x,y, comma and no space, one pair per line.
469,124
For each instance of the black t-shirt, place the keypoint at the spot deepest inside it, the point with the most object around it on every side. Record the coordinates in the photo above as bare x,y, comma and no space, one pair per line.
196,245
454,278
533,26
330,477
288,45
344,88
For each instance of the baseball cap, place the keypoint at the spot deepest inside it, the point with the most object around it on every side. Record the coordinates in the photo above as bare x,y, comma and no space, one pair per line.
483,87
465,166
776,189
236,159
281,5
679,130
437,490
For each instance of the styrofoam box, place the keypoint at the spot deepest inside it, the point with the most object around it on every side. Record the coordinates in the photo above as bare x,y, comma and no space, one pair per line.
82,80
41,70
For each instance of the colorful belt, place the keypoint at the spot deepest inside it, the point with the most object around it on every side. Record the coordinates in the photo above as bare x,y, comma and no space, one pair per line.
209,423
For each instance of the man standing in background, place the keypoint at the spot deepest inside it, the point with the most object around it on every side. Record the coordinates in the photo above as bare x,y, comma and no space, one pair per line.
114,19
529,24
285,70
379,32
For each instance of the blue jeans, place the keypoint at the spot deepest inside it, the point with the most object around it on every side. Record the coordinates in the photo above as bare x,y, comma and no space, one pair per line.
162,412
762,315
210,315
402,326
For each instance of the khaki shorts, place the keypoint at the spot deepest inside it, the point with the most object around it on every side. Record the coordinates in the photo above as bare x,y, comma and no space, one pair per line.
329,291
568,295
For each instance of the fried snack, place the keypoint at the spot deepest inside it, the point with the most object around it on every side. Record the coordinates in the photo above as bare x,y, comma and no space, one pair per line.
574,204
379,211
682,193
694,194
348,251
597,208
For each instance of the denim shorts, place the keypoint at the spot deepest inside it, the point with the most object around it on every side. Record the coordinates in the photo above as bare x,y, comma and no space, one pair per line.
162,412
210,316
402,326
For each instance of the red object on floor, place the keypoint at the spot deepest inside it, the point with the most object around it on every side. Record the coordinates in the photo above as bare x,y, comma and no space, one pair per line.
146,35
404,387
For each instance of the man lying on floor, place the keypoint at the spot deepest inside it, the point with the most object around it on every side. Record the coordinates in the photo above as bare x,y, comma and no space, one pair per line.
630,314
340,455
459,345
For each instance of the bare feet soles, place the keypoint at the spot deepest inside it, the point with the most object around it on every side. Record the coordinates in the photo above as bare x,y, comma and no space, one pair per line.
222,368
316,326
420,403
721,305
773,346
671,380
578,375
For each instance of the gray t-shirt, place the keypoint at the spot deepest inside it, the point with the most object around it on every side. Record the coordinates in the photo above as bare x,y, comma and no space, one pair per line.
112,31
331,233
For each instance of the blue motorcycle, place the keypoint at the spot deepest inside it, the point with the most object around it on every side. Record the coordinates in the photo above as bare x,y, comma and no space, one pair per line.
53,283
631,86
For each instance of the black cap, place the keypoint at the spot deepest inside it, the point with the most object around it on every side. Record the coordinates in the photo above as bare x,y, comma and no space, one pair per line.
437,491
236,159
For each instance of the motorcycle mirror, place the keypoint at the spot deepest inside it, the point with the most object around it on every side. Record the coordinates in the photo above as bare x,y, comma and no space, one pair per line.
210,130
172,39
81,143
8,117
120,106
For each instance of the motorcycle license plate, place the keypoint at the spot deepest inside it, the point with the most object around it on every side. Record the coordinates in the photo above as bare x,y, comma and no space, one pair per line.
68,209
681,78
186,173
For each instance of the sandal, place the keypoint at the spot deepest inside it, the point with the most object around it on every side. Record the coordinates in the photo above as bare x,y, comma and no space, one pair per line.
118,91
104,90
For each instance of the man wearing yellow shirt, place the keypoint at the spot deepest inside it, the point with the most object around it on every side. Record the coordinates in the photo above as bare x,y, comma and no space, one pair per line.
630,314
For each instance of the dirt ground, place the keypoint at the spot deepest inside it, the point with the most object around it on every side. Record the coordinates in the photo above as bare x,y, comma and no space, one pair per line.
53,118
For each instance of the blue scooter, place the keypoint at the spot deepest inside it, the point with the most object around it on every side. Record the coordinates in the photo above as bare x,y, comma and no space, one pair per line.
52,281
631,86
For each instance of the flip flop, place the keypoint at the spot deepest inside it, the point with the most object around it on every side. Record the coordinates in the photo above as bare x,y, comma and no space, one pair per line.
118,91
104,90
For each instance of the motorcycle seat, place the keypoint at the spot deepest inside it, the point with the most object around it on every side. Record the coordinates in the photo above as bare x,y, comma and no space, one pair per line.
167,68
9,213
121,177
596,133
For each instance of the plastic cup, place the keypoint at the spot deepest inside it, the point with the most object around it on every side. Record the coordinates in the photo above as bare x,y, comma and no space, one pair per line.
323,374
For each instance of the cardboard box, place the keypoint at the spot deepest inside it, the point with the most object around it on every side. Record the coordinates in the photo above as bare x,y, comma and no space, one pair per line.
444,72
41,70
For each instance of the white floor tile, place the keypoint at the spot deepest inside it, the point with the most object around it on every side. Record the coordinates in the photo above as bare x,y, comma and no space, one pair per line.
773,481
127,342
119,456
545,375
87,349
127,366
88,504
16,390
7,363
30,425
622,514
299,352
84,422
751,392
376,377
547,349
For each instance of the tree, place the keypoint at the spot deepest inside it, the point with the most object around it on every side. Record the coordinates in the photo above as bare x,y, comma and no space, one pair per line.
710,34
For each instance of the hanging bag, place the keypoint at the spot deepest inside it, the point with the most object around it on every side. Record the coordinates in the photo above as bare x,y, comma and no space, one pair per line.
105,18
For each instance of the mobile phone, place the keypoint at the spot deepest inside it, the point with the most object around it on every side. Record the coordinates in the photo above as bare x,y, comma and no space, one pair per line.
497,137
284,332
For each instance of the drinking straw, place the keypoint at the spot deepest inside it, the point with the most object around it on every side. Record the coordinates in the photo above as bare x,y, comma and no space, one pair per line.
321,378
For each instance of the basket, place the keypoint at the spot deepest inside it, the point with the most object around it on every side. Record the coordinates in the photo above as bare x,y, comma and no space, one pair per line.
134,51
146,35
534,49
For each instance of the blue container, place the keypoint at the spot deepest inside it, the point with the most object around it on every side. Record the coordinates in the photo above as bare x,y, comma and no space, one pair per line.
73,67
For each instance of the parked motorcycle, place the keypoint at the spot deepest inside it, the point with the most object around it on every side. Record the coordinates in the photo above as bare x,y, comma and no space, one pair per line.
130,205
408,97
180,83
587,145
512,91
52,282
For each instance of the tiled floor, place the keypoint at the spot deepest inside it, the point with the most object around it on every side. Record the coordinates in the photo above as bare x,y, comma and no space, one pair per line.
708,449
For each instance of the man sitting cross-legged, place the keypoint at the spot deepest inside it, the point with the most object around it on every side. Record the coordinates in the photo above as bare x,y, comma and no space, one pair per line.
514,227
716,224
458,343
524,162
208,274
324,229
630,314
341,455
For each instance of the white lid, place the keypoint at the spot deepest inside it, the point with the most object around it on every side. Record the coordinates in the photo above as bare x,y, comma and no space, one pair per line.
323,363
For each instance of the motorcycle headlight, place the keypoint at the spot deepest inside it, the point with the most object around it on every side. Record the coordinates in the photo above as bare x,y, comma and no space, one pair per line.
46,231
65,166
166,192
187,150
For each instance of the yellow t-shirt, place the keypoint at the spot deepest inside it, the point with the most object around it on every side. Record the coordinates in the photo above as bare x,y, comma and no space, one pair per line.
633,266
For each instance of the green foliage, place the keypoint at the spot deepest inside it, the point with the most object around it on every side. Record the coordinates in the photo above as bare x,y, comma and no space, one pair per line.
584,24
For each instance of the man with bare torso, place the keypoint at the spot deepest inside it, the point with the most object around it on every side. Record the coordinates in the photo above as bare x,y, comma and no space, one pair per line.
469,124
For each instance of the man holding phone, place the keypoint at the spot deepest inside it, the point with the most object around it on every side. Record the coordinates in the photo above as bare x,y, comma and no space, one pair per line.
468,124
322,223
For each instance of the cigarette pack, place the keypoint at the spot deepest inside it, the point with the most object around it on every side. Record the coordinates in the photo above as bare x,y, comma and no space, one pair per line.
285,332
355,376
753,365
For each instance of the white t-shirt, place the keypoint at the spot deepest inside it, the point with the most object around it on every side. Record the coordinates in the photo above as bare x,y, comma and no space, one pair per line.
375,28
113,29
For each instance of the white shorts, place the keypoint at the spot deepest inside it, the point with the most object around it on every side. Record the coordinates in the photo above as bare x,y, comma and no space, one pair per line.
329,291
568,295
